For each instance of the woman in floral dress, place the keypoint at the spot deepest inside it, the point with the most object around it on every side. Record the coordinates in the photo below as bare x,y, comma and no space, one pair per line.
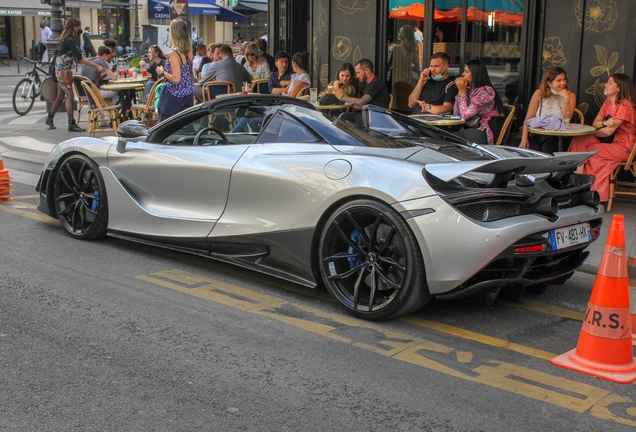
477,96
617,117
178,94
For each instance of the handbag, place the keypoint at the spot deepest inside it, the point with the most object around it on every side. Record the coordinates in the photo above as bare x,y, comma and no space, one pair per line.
608,139
473,122
66,77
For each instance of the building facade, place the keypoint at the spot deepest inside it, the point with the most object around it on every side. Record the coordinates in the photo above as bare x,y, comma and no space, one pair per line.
518,39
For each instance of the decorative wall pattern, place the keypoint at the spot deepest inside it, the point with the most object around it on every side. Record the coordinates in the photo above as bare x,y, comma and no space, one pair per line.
341,48
352,6
553,53
605,67
596,15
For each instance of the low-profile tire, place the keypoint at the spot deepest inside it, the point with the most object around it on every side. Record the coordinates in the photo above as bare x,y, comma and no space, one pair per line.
370,261
80,198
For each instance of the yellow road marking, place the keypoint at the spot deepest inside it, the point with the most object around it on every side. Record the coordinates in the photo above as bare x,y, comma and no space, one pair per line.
478,337
26,196
7,206
520,380
535,306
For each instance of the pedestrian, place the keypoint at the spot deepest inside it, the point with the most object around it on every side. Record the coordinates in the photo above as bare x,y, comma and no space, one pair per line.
89,49
177,94
68,52
45,34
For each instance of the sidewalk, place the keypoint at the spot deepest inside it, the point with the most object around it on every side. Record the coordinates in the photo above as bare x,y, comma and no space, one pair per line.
12,69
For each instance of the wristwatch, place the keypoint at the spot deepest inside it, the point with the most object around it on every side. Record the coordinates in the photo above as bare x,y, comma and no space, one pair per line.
428,108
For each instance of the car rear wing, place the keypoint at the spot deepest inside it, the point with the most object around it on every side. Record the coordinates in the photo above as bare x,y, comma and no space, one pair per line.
448,171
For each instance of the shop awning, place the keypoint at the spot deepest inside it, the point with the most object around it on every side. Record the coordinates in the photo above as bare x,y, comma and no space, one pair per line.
255,5
209,7
159,9
24,8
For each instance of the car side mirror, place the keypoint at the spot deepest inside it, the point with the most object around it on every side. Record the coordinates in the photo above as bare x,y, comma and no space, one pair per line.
132,129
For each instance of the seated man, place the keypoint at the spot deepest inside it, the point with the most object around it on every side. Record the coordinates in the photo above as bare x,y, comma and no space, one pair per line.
214,52
435,91
104,56
196,61
226,69
280,79
375,91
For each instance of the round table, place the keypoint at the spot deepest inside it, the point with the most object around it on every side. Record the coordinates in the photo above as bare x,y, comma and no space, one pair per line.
572,130
127,94
345,107
434,120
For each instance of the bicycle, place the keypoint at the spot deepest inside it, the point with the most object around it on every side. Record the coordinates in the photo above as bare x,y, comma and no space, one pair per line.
27,89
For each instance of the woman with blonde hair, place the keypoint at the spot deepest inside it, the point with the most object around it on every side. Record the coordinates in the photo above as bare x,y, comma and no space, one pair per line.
67,53
255,64
615,133
552,97
178,94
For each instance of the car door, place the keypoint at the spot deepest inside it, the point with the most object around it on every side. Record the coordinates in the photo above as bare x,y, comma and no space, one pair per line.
171,190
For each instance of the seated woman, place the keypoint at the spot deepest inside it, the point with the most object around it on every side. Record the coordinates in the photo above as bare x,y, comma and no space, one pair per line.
346,79
255,63
156,57
552,97
617,117
300,79
477,96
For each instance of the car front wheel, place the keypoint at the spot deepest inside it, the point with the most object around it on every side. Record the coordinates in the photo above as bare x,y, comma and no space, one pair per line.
370,261
80,198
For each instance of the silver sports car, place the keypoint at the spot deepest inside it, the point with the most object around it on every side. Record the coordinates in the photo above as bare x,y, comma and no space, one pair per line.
386,212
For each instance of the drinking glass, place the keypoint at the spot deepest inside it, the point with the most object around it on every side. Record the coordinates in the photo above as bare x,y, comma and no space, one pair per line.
313,95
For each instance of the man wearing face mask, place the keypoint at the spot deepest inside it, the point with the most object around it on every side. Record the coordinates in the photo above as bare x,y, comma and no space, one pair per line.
435,90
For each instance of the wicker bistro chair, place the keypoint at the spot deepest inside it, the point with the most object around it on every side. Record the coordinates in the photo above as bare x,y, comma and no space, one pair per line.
97,107
260,86
212,89
303,92
146,112
82,99
505,129
630,166
579,113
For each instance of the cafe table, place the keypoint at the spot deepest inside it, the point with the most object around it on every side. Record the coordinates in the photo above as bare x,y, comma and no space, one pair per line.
571,131
341,107
127,95
437,120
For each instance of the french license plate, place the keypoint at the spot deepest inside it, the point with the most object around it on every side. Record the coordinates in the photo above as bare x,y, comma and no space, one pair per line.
569,236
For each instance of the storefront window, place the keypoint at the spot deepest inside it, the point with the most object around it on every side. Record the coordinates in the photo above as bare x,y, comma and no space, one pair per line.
492,33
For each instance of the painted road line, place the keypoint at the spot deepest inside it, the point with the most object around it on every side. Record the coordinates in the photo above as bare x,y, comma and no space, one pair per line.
541,386
9,207
28,143
544,308
478,337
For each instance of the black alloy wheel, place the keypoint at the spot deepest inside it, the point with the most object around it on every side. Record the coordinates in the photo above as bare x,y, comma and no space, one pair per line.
371,263
80,198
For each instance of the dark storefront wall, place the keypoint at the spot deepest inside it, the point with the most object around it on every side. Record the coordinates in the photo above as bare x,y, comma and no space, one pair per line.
598,41
342,32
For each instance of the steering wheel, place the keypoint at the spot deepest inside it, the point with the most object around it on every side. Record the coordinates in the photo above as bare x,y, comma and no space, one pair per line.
209,128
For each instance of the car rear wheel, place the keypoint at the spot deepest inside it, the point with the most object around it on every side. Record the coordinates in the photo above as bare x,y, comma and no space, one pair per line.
370,261
80,198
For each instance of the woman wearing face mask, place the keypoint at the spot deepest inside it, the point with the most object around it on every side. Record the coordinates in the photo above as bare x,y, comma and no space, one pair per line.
67,53
616,125
552,97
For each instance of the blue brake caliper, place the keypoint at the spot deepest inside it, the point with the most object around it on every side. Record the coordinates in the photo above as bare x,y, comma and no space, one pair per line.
357,239
95,201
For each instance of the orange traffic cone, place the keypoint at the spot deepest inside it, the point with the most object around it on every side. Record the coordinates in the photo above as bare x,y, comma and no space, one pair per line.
605,344
631,278
4,182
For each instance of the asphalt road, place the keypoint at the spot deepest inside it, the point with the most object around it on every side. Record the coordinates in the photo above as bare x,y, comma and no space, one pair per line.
114,335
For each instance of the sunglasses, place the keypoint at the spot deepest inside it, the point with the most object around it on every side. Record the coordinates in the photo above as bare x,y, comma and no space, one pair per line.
250,55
